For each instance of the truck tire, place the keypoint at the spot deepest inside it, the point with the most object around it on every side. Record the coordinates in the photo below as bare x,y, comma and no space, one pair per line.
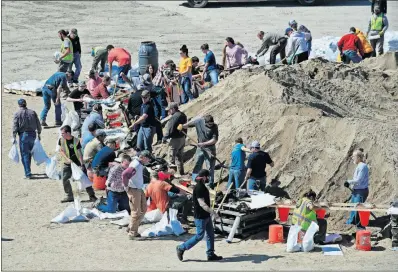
311,2
197,3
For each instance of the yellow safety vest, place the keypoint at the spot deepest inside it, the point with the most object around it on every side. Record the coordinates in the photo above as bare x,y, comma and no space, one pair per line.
65,148
69,56
377,23
303,216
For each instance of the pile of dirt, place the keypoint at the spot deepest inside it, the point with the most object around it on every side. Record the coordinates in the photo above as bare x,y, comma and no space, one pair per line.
310,117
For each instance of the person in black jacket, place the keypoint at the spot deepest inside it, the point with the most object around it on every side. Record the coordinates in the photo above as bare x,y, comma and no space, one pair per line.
77,51
382,4
177,142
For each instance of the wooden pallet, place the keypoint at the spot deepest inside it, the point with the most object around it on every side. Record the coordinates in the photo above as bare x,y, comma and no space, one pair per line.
22,92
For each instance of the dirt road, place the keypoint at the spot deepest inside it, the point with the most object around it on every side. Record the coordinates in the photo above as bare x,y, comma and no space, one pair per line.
29,39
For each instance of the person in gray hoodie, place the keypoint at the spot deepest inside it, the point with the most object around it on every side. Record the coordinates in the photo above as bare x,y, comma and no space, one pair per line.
272,39
296,48
378,25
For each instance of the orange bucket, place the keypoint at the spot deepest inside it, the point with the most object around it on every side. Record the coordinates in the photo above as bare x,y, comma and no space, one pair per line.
320,213
362,241
99,182
300,237
283,214
364,217
275,234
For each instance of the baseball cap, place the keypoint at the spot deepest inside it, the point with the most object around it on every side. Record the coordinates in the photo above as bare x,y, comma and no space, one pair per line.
145,94
21,102
203,173
288,30
82,83
255,144
172,105
292,22
100,132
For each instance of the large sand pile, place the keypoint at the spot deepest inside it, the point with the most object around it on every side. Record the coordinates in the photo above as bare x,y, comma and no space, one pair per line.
310,117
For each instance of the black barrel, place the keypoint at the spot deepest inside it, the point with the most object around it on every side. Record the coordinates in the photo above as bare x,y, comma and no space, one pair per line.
148,54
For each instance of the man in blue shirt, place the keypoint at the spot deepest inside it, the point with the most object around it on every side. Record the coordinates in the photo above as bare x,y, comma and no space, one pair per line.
52,91
210,72
94,117
106,155
92,128
237,167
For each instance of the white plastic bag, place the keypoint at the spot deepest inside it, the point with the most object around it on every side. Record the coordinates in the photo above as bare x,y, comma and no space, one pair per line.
64,113
308,240
292,245
38,153
152,217
162,228
13,154
175,224
51,168
78,175
74,120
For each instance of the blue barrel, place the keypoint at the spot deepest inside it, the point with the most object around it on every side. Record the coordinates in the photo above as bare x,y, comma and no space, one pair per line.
148,54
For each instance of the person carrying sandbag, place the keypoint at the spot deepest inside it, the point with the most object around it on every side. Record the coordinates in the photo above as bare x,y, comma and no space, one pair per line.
25,124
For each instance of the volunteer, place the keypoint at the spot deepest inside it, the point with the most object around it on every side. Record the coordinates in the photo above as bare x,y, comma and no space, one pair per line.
378,25
66,57
25,124
360,185
101,91
302,29
210,71
350,47
122,57
76,96
234,55
100,55
93,80
93,147
185,70
134,182
202,215
70,150
305,213
96,117
297,47
237,167
77,51
177,137
207,132
51,90
104,159
272,39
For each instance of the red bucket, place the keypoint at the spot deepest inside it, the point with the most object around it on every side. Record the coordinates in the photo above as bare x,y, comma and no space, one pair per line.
364,217
320,213
115,124
113,115
283,214
275,234
126,101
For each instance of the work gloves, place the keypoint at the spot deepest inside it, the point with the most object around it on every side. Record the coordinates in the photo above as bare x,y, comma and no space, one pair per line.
347,184
381,33
179,127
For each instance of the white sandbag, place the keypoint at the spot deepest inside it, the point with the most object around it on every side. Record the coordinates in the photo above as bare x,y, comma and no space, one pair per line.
120,214
308,240
175,224
51,169
64,113
79,218
74,119
57,55
291,244
78,175
152,217
13,154
64,216
261,201
162,228
124,222
38,153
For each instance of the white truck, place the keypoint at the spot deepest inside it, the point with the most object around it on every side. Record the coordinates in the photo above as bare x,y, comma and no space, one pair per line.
203,3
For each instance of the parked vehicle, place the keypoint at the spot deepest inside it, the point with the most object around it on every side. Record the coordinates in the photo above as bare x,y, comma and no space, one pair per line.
203,3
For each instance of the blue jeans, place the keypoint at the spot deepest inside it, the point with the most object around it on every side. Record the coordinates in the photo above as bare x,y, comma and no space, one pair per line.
212,76
49,95
186,94
309,45
115,201
201,157
236,176
78,66
351,56
145,138
358,196
26,142
202,226
125,69
160,104
252,183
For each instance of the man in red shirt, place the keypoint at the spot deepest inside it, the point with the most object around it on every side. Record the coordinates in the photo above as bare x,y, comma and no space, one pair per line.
122,57
101,91
349,46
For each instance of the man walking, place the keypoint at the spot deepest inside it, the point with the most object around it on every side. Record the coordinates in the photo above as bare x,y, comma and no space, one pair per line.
25,124
203,222
350,45
70,150
177,137
237,168
256,165
378,25
66,57
146,122
207,132
51,90
77,51
272,39
116,197
134,181
296,48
